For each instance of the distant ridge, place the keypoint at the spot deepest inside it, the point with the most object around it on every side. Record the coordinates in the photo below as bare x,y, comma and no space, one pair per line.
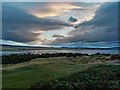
62,47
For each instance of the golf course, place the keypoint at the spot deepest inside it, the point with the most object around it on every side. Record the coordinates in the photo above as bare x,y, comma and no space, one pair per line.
94,70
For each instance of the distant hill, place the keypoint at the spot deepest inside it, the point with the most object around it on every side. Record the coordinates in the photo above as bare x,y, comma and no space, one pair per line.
5,46
18,47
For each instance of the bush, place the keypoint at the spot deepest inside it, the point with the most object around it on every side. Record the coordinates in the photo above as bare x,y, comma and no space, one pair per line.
105,77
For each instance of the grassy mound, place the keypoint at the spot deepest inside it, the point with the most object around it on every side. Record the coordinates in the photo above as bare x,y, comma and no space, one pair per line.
105,77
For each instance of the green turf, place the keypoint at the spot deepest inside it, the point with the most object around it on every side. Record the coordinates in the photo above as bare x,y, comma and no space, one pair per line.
38,69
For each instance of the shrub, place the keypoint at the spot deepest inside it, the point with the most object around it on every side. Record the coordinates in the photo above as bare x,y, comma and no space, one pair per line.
97,77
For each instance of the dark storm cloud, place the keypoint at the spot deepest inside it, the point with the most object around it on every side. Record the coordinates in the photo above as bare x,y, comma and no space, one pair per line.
102,28
20,36
21,27
57,35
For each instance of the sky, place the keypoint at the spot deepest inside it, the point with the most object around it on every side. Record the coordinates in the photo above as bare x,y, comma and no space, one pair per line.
48,23
60,1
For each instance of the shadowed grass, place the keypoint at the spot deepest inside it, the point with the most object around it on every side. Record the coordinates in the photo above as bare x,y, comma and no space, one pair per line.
96,77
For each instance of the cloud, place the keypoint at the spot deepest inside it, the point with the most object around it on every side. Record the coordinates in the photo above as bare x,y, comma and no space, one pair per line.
58,36
102,28
51,9
20,26
46,9
61,1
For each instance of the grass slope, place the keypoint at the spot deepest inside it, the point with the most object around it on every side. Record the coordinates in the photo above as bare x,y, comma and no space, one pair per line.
23,75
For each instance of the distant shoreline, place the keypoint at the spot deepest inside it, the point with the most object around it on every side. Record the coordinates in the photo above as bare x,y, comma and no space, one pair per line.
15,47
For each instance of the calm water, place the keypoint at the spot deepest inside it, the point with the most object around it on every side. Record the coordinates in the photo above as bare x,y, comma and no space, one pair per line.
59,51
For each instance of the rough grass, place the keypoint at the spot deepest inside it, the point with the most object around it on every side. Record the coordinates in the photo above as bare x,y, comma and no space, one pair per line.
23,75
105,77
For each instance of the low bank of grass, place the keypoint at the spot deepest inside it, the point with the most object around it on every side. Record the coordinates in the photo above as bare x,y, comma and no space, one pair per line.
23,75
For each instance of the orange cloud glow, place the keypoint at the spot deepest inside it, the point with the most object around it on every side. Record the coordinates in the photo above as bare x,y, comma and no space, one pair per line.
52,9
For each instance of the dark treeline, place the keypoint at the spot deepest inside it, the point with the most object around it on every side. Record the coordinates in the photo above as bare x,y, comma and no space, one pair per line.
17,58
